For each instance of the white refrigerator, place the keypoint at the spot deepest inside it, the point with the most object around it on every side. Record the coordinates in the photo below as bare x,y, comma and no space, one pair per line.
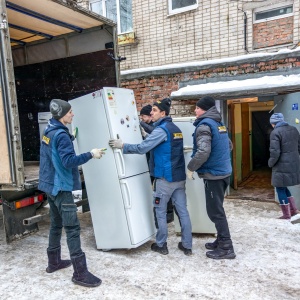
118,186
194,188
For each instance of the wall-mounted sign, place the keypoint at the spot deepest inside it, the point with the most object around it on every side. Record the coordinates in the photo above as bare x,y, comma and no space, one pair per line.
126,38
295,106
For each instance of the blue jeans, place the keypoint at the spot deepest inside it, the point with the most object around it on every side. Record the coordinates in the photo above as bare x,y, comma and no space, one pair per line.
163,191
63,213
283,194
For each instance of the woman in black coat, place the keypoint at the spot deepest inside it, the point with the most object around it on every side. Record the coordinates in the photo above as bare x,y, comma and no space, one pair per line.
285,162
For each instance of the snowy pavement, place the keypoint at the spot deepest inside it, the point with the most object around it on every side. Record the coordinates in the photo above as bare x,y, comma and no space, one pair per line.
267,264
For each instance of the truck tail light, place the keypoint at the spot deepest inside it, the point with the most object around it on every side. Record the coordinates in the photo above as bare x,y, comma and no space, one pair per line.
30,201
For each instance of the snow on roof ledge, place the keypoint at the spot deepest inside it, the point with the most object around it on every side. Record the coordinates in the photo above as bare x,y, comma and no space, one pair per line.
246,87
207,62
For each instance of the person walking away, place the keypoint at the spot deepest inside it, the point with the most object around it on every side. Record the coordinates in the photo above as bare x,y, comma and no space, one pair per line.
285,162
147,127
58,177
211,161
167,166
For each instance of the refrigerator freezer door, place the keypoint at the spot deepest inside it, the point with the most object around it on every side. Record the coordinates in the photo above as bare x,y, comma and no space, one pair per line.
137,198
195,192
123,122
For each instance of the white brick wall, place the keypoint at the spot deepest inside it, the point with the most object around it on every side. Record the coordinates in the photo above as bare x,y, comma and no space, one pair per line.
214,30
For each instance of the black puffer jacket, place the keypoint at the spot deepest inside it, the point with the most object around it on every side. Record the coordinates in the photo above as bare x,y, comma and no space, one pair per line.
284,155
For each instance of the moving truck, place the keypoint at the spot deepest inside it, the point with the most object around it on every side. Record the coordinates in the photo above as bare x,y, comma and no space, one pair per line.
48,49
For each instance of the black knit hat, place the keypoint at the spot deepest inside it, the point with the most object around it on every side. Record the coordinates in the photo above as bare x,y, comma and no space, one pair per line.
59,108
163,105
146,110
206,102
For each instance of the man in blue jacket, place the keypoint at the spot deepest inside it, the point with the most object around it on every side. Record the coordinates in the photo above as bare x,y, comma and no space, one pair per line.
211,160
59,176
167,166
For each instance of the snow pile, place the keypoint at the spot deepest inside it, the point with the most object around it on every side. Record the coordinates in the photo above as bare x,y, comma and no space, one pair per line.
267,264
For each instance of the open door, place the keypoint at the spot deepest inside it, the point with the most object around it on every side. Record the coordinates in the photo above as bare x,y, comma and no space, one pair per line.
245,141
11,157
232,133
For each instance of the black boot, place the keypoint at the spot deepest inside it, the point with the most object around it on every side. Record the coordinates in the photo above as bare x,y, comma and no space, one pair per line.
55,262
186,251
162,250
213,245
223,251
81,275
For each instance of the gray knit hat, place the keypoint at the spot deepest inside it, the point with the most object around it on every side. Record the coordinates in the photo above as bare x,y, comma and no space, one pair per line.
59,108
277,117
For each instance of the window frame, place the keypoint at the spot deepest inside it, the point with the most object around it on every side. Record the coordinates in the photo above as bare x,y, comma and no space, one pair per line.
181,10
103,2
273,7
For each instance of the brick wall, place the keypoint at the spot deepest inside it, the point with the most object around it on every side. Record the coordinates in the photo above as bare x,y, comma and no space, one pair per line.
148,89
271,33
213,30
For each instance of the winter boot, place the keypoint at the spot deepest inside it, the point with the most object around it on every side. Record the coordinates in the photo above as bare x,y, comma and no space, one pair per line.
81,275
55,262
293,207
213,245
224,250
285,211
186,251
162,250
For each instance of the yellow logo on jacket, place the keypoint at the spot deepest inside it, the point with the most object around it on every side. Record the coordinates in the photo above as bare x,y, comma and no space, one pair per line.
177,135
222,129
46,140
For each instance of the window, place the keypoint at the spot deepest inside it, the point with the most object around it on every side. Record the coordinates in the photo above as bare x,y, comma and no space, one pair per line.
178,6
116,10
275,13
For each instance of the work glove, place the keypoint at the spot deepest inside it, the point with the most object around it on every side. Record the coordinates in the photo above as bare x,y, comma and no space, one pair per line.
97,153
143,132
190,174
116,143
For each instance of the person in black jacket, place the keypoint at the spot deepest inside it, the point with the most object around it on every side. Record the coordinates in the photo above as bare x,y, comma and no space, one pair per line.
285,162
146,120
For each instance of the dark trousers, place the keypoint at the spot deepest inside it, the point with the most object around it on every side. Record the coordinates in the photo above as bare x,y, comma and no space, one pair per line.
214,194
63,213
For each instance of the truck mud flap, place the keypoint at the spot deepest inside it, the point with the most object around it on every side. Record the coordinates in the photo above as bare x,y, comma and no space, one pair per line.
13,222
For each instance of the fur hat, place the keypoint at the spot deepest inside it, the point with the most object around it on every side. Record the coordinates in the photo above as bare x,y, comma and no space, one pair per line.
146,110
206,103
59,108
277,117
164,105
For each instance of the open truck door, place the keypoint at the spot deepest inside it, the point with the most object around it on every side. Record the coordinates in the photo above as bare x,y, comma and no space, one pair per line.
49,49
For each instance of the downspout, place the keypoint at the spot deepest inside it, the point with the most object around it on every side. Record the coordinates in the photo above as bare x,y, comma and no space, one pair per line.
245,30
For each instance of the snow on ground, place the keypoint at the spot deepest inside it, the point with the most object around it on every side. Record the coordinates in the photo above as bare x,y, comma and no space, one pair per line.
267,264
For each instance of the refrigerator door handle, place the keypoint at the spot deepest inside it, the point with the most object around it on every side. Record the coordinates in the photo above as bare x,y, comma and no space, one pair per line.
122,163
126,194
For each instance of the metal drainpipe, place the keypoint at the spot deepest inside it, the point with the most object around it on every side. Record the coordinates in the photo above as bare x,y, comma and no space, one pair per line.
245,30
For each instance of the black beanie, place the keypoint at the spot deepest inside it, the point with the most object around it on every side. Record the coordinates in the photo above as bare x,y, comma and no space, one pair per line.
59,108
163,105
206,103
146,110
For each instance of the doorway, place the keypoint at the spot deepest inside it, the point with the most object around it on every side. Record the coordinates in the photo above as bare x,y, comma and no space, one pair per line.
250,131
